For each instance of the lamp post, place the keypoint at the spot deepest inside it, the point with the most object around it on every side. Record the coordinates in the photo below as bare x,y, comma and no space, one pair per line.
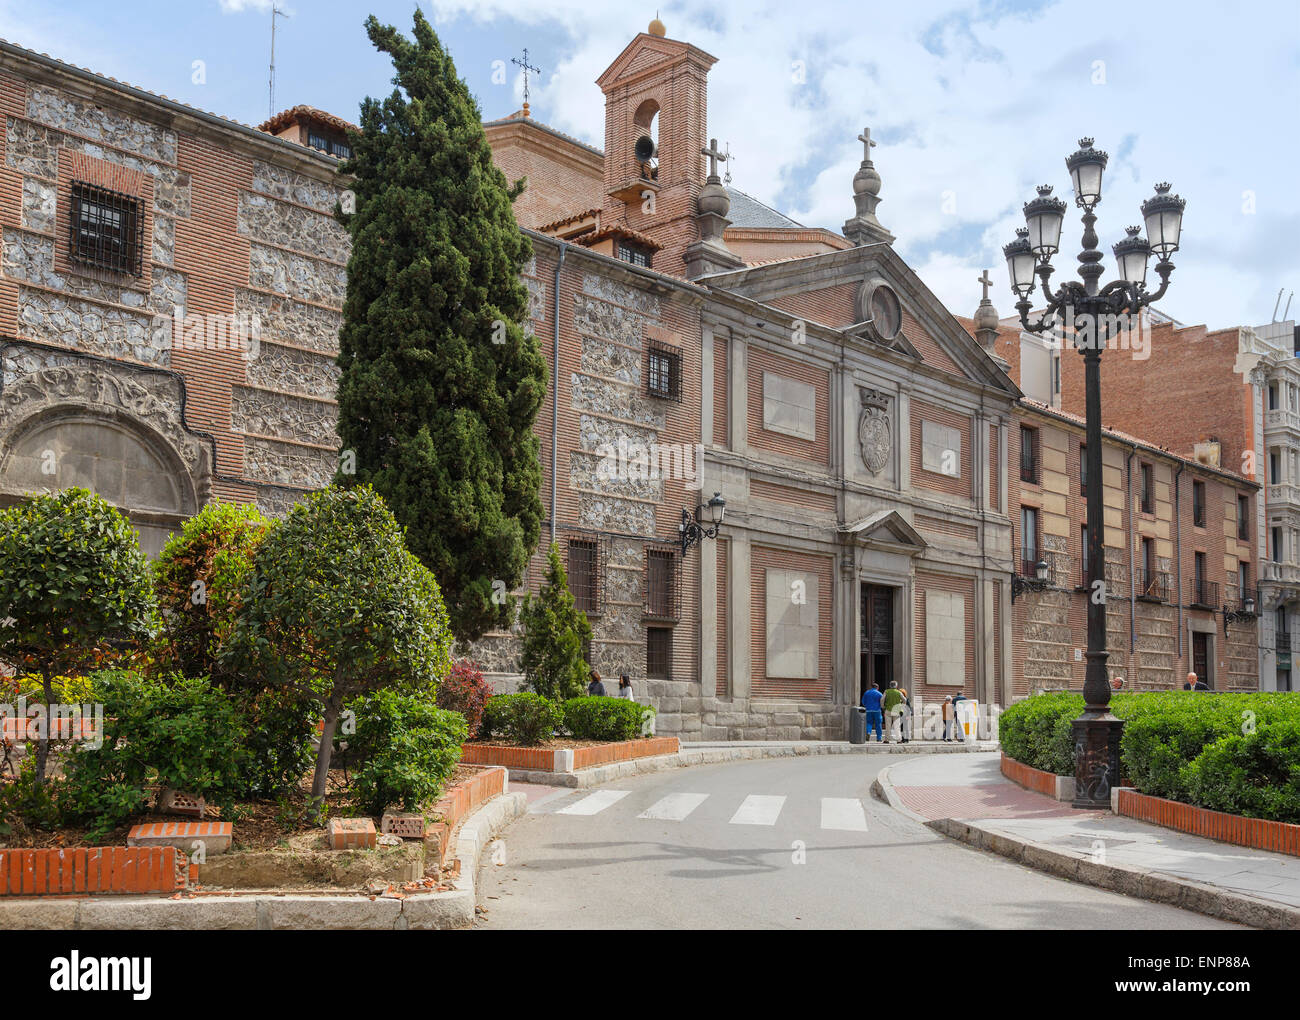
703,522
1093,313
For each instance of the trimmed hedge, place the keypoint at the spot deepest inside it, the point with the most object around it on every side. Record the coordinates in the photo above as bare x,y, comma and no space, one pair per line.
1238,753
597,718
526,717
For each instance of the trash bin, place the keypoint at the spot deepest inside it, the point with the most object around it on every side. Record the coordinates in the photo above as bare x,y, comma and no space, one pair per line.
858,725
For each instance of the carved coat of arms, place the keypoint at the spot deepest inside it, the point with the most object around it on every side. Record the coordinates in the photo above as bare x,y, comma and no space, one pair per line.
875,437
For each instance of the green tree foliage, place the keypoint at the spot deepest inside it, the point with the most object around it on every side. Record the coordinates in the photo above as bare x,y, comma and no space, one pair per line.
74,587
554,636
440,385
199,580
337,607
407,750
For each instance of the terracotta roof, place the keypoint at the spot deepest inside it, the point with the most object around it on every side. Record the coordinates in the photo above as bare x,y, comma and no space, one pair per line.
286,117
617,230
518,118
577,217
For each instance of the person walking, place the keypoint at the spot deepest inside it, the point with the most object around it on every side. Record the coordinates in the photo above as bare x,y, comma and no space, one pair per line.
949,717
905,726
595,689
625,687
871,701
893,703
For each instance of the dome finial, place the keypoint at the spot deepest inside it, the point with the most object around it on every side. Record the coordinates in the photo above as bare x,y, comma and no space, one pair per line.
657,27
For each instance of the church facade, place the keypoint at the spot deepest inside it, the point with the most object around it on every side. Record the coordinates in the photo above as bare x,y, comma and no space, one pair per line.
170,298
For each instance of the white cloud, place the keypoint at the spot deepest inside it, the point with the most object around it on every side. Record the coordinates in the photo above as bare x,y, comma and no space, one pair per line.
239,6
973,105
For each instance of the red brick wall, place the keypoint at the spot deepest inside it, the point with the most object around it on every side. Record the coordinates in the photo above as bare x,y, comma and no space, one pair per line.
933,480
816,451
927,581
832,306
813,689
808,499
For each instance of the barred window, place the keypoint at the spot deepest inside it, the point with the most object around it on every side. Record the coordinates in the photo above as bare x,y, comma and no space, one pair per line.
664,373
583,573
107,228
658,653
634,254
1028,454
660,584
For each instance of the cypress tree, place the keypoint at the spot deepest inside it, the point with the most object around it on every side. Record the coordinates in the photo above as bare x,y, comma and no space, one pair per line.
554,635
440,384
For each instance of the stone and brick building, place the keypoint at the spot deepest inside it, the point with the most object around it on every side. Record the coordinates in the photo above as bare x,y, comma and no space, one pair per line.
169,307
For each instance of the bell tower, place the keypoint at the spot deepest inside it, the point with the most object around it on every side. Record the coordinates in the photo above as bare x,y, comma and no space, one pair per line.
656,109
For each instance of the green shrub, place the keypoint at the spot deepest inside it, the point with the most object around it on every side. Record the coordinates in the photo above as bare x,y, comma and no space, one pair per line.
591,718
554,635
178,732
74,588
280,727
525,717
408,748
1253,774
1037,731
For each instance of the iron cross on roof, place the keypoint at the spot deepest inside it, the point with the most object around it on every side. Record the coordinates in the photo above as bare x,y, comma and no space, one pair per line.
714,155
526,68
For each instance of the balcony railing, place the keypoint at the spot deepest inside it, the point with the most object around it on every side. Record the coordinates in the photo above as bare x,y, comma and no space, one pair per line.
1237,600
1202,594
1282,642
1152,585
1281,419
1284,492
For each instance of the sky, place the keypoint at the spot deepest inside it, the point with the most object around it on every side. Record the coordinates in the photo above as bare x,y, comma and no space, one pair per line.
973,104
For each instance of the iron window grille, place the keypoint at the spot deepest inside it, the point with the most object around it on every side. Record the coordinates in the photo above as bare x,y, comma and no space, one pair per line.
658,653
1152,585
1282,642
664,372
1198,504
662,591
1204,594
1243,517
341,149
634,254
586,566
1148,490
107,229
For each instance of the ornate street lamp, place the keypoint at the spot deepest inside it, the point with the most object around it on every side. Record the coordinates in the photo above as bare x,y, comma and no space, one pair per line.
1021,584
703,523
1096,731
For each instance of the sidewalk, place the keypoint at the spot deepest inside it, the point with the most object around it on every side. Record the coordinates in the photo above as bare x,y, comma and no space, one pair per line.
968,798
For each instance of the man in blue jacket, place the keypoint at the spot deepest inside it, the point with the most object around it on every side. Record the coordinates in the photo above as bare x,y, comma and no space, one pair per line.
871,700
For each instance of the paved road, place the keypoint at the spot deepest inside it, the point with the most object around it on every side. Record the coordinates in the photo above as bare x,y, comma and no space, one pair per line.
781,843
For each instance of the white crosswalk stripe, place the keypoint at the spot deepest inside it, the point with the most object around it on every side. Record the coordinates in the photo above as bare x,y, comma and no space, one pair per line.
674,807
594,802
845,814
757,809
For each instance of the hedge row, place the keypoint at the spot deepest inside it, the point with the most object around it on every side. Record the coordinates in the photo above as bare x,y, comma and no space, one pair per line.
1238,753
530,718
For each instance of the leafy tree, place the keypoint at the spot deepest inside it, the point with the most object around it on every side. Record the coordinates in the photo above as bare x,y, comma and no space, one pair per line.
337,606
440,385
74,587
554,636
199,581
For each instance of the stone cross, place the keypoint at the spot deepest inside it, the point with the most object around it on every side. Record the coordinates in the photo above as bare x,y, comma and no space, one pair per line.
527,67
984,279
714,155
867,144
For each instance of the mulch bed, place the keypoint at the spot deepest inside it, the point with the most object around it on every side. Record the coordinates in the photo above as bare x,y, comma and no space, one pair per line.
258,825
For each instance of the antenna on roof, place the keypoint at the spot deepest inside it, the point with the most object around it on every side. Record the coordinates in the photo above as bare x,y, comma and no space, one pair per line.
1276,303
275,12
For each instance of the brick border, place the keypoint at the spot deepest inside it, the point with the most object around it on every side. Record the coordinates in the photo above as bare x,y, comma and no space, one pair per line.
461,800
566,760
1256,833
1028,776
86,870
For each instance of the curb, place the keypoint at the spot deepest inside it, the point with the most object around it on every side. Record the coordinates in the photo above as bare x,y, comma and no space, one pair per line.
228,911
1176,892
1145,885
687,757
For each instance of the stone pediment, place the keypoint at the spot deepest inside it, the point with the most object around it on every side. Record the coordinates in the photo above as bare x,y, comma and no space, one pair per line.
855,290
886,529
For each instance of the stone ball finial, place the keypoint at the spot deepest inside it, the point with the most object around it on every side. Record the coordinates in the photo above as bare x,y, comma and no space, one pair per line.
866,181
657,28
986,316
713,198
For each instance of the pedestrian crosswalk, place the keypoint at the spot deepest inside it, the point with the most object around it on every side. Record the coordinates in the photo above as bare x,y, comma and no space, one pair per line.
837,814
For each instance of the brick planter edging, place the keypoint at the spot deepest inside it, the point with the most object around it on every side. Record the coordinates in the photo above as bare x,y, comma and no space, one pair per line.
1037,780
566,760
102,869
459,801
1256,833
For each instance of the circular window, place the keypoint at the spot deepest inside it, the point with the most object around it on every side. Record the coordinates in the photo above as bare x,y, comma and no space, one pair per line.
886,314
